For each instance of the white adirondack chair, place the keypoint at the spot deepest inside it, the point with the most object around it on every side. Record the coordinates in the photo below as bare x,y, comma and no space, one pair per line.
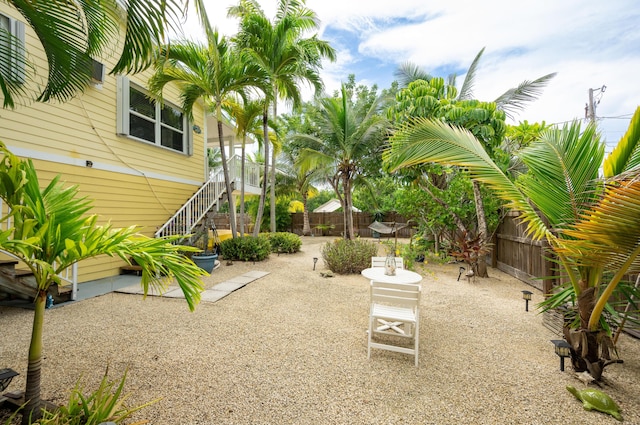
394,311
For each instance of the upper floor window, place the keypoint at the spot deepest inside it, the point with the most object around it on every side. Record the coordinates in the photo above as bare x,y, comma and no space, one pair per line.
12,48
142,118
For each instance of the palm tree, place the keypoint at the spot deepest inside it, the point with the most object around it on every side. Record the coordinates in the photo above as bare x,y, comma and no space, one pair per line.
288,59
247,120
511,101
592,224
73,33
213,72
51,231
299,182
347,136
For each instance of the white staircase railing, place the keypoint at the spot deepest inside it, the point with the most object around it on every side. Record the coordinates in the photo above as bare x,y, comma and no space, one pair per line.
184,221
251,172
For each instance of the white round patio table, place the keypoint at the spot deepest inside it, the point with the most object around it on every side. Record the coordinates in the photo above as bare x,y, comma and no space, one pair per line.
402,276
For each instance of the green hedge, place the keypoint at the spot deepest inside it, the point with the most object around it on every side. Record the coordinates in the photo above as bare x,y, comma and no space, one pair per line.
246,248
284,242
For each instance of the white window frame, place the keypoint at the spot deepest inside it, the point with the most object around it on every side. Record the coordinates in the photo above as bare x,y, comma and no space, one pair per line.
17,63
124,112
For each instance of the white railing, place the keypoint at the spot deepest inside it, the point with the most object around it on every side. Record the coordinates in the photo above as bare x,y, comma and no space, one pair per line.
184,221
251,172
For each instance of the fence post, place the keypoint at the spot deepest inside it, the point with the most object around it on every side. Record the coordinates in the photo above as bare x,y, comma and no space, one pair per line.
548,283
494,249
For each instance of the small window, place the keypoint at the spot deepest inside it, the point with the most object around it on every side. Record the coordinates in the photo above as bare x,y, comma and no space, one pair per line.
142,118
12,48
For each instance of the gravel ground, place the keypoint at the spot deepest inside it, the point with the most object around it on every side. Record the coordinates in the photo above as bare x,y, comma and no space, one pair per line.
291,348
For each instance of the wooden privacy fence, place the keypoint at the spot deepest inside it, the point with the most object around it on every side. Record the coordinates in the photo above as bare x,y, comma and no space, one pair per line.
530,261
520,256
332,224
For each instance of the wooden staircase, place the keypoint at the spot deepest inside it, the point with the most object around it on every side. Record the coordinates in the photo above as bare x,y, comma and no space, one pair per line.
20,284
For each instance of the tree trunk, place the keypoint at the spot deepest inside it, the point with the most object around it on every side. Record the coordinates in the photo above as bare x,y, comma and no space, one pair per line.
348,207
306,226
482,228
272,177
590,350
227,182
272,198
242,183
34,368
263,192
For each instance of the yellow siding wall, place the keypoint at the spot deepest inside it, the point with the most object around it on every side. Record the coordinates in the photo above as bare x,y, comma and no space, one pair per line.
131,182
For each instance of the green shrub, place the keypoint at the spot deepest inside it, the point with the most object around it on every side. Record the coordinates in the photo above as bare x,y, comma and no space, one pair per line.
283,216
285,242
246,248
348,256
106,404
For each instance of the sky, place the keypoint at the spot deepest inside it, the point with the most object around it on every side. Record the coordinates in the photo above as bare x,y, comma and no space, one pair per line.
590,44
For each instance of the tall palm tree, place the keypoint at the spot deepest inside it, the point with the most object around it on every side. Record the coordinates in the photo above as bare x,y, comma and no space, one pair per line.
280,49
247,118
347,137
72,33
592,224
51,231
214,73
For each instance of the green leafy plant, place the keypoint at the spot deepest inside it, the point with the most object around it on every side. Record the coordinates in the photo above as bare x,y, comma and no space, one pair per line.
324,228
285,242
348,256
283,216
105,404
248,248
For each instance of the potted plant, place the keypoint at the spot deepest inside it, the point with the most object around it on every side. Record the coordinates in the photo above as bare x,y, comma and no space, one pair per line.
206,259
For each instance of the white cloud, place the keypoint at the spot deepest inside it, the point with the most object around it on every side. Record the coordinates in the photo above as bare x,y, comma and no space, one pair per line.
589,43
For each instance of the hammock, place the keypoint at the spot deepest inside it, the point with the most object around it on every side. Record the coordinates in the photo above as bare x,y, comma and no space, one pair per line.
386,227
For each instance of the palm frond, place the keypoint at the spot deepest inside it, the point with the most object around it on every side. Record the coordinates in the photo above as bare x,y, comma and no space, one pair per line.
626,154
466,91
516,99
563,169
409,72
608,233
146,26
15,70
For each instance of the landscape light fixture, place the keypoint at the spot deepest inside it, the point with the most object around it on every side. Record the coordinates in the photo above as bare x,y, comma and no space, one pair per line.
526,296
6,375
461,270
315,260
563,349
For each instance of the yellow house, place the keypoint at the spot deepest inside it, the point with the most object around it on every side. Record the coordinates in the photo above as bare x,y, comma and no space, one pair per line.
138,160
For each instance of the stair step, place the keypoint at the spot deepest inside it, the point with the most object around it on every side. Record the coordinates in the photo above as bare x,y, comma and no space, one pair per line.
23,272
8,262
